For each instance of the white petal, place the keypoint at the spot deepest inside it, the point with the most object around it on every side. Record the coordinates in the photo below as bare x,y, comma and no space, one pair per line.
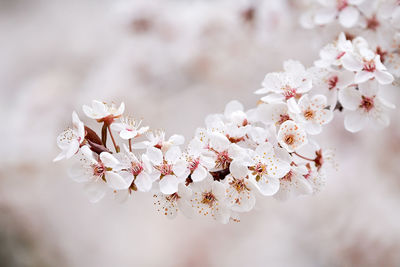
173,154
383,77
169,184
268,186
154,155
349,16
219,141
176,140
313,128
363,76
180,168
115,181
238,170
325,16
88,111
218,190
109,160
125,134
143,182
95,191
351,63
199,174
72,148
354,121
350,98
231,107
292,106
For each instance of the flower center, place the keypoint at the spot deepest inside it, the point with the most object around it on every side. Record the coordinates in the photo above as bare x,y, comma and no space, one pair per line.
288,92
165,169
309,114
173,198
372,23
369,66
367,103
223,159
288,176
341,4
208,199
239,185
193,164
332,82
283,118
136,168
289,139
98,169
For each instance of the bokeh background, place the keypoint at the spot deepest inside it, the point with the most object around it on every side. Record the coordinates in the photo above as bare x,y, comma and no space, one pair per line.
172,63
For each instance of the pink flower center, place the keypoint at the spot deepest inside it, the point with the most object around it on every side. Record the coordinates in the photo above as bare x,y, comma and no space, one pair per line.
341,54
373,23
208,199
136,168
223,159
332,82
369,66
288,176
283,118
98,169
342,4
165,169
239,185
289,92
367,103
194,164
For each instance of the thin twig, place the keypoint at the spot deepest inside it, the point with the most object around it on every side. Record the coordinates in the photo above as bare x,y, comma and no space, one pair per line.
303,157
112,138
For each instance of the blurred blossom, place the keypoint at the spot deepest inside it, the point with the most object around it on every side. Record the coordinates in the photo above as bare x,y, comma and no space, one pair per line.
172,63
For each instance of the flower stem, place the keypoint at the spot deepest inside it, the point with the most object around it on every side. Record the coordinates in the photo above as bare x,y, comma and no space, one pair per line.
113,140
130,145
300,156
104,134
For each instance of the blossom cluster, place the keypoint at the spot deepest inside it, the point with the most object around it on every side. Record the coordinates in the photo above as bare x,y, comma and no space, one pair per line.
378,21
239,155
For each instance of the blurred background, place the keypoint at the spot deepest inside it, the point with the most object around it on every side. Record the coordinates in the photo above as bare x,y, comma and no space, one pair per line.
172,63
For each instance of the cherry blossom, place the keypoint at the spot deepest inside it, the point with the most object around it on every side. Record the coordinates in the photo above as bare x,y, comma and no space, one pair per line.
294,183
345,10
291,136
314,113
170,204
364,105
168,168
70,140
367,66
101,111
267,169
208,200
128,128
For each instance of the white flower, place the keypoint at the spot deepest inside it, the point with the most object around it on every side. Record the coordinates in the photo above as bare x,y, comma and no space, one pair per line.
97,171
332,54
157,139
239,193
128,128
274,113
267,169
286,86
328,83
367,66
169,168
345,10
101,111
140,170
208,200
314,113
294,183
221,151
169,205
70,140
198,164
364,105
291,136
